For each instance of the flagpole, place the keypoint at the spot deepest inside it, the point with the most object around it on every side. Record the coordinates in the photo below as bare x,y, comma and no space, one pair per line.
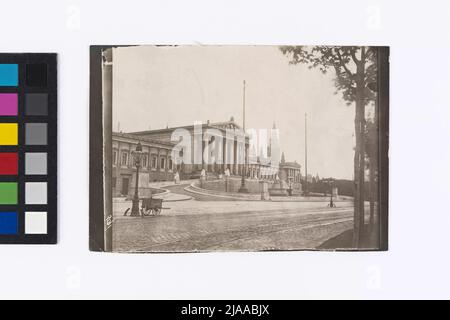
243,188
306,155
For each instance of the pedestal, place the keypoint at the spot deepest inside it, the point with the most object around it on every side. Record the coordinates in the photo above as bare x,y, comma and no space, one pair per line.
277,189
264,187
202,181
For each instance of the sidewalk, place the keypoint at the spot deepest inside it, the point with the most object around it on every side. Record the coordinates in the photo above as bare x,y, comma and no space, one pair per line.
166,195
171,197
257,197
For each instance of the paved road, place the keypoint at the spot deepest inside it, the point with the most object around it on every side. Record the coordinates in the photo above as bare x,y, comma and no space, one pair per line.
231,225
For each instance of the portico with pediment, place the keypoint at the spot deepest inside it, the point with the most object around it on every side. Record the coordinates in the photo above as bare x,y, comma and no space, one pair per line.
216,148
224,140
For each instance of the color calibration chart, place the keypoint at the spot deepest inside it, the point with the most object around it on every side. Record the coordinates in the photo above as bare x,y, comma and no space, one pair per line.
28,148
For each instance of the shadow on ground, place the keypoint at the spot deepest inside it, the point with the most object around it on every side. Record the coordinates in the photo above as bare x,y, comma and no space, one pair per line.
344,240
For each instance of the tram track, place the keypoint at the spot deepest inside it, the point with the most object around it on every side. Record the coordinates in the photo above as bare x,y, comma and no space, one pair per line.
214,240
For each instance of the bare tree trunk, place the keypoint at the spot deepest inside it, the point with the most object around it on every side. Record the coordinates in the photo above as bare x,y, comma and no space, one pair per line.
374,221
362,166
361,104
359,151
357,186
372,168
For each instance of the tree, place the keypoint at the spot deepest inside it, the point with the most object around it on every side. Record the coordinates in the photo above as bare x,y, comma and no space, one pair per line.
372,164
355,69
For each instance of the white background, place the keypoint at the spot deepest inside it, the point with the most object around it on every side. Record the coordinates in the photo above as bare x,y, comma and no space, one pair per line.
418,262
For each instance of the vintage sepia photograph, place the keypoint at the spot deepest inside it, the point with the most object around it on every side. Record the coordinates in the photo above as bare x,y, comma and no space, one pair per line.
244,148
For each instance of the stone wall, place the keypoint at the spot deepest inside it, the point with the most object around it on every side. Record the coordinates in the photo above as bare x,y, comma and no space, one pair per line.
144,183
233,185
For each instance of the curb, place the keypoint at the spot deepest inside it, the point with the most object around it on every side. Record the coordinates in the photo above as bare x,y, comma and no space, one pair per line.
197,190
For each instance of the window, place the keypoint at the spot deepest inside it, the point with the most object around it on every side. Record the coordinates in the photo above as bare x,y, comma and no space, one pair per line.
114,159
124,161
154,162
114,181
170,164
144,161
163,163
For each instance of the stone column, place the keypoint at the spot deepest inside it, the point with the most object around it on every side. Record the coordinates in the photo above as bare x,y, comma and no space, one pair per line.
158,164
264,188
235,171
167,166
224,158
209,167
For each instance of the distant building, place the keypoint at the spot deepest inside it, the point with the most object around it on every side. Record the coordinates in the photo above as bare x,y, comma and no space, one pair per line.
290,171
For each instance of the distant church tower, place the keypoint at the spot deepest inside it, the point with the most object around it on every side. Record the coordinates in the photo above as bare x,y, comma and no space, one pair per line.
269,146
283,160
275,151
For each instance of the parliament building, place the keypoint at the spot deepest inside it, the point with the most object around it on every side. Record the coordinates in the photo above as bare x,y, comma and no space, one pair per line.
158,149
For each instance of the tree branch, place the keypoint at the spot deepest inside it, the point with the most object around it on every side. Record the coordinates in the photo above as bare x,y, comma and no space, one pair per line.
355,59
341,62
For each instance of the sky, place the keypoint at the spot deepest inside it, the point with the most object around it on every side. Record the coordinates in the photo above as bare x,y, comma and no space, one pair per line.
155,87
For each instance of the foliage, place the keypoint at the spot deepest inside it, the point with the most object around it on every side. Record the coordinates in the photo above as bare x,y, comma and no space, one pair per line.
343,60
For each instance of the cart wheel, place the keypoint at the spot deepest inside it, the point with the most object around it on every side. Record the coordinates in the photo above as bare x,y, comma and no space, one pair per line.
157,211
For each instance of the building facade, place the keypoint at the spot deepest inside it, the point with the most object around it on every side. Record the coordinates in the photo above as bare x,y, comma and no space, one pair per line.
159,150
229,152
156,163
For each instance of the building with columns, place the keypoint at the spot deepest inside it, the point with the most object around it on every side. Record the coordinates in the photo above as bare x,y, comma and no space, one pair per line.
160,147
229,151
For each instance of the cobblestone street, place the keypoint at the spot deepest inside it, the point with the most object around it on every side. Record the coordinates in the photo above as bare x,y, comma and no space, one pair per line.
201,225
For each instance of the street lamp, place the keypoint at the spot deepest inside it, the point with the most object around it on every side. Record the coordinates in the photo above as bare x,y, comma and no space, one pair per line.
137,162
331,204
243,188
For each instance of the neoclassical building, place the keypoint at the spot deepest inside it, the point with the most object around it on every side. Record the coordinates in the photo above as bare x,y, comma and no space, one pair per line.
229,151
156,162
162,145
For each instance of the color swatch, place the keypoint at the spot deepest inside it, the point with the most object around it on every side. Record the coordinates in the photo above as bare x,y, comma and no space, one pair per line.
28,148
8,104
9,74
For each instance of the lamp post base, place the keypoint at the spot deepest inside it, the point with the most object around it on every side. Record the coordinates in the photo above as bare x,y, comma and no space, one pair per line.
243,189
135,208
